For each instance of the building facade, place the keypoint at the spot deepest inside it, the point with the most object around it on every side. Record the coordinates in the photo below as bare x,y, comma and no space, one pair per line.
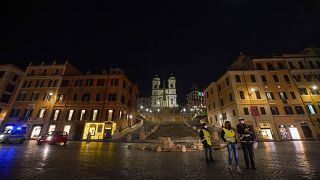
196,102
59,97
164,96
277,97
9,81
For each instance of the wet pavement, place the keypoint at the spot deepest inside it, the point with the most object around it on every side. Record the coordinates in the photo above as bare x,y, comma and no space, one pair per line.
101,160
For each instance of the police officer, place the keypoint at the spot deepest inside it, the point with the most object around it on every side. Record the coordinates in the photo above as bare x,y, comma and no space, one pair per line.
246,139
206,141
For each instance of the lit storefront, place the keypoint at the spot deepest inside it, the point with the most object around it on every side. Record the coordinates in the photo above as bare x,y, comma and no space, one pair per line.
294,132
99,131
265,131
283,133
35,131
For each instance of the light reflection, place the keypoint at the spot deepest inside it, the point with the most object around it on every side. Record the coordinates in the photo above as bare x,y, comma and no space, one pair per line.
301,158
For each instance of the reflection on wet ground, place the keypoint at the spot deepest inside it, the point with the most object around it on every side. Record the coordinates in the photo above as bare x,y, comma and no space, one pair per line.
98,160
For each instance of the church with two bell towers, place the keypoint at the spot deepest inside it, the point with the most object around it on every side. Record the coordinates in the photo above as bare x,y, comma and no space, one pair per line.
164,95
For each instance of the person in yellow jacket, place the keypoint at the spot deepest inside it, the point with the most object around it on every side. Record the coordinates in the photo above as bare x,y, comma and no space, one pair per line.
229,135
205,138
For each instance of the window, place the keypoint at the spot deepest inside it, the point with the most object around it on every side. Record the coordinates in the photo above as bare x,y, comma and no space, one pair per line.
301,65
215,116
274,110
112,97
52,83
258,96
308,77
70,114
259,66
89,82
78,83
44,72
56,72
39,83
318,64
10,87
253,78
82,115
270,67
280,66
224,116
124,84
5,98
94,114
311,109
263,111
288,110
56,114
303,91
222,104
227,81
269,96
312,66
65,83
234,112
34,96
297,78
42,113
283,95
27,113
14,112
114,82
123,99
238,78
21,96
264,79
110,115
86,97
241,93
100,82
2,74
75,96
299,110
46,97
60,97
98,97
286,78
314,91
52,128
230,97
293,95
275,78
291,65
219,87
246,111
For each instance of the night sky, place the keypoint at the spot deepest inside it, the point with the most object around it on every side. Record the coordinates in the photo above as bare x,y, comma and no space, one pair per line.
195,40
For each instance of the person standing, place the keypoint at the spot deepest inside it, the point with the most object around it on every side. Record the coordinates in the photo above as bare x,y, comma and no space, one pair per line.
229,135
246,139
206,141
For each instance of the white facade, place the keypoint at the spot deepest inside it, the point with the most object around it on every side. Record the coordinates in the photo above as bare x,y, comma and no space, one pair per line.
164,95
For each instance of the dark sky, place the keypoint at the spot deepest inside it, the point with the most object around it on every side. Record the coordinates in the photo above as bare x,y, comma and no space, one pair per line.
195,40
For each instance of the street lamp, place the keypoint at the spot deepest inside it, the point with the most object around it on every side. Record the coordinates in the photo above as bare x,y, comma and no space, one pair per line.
130,117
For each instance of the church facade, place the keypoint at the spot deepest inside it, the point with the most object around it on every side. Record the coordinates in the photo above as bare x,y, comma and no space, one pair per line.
164,94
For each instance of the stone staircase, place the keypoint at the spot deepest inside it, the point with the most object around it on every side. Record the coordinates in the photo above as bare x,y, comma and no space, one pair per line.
177,131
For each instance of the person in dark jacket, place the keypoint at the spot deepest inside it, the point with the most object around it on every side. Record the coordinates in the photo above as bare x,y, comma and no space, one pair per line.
228,134
205,138
246,139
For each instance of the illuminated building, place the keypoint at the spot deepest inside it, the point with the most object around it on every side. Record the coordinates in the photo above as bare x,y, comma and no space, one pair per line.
59,97
9,81
277,95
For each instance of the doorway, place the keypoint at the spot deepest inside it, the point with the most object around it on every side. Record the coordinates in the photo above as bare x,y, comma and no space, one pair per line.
35,132
306,130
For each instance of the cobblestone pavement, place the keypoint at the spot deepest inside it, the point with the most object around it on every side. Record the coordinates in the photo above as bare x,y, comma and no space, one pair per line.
98,160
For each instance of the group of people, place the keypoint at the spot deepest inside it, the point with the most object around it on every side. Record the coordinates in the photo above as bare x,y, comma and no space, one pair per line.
228,135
